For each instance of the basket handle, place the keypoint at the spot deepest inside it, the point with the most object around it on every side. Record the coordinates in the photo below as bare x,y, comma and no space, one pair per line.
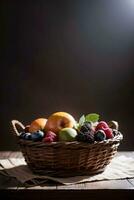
14,123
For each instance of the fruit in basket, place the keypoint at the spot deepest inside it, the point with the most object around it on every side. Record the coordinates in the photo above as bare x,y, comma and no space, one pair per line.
85,137
37,136
50,137
27,128
37,124
25,136
113,125
86,133
58,121
67,134
99,135
101,125
28,136
87,126
109,133
22,135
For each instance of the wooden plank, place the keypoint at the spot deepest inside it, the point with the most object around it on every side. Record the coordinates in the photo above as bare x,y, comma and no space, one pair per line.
109,184
12,183
10,154
39,187
6,182
47,186
131,180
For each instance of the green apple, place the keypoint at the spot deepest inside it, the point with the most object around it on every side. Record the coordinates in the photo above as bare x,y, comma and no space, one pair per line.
67,134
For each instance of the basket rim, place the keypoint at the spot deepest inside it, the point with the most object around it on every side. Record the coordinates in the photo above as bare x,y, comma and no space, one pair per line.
117,138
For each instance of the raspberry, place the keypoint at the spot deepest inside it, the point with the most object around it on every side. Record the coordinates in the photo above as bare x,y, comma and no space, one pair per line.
51,135
109,133
48,139
101,125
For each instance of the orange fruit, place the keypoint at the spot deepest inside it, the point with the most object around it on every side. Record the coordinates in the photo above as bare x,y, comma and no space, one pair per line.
37,124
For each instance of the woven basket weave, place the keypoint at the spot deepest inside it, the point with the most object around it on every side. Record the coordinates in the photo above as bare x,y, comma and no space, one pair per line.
64,159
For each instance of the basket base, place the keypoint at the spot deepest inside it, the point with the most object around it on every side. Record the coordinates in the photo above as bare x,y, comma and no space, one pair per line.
66,173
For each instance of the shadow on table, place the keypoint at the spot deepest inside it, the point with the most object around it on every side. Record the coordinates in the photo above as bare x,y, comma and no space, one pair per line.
7,180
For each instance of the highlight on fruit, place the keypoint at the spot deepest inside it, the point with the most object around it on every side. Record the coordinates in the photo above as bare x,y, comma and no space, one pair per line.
63,127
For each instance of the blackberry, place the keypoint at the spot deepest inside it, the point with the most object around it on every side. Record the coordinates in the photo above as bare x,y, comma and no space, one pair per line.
85,137
86,127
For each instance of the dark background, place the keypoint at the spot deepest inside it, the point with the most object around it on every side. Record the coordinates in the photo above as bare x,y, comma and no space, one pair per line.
73,56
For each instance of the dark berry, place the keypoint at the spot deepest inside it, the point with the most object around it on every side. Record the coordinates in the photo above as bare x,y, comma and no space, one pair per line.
26,136
37,136
87,126
99,135
85,137
22,134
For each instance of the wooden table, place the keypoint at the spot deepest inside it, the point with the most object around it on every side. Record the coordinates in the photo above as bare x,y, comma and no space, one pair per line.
117,189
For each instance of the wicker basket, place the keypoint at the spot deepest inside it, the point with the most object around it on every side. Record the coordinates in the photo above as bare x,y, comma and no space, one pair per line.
64,159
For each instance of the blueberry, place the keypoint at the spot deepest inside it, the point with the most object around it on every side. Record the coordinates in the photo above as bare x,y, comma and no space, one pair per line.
37,136
27,136
22,135
99,135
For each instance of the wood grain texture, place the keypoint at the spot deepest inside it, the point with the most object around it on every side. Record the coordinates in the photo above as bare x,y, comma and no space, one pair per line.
118,189
112,184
